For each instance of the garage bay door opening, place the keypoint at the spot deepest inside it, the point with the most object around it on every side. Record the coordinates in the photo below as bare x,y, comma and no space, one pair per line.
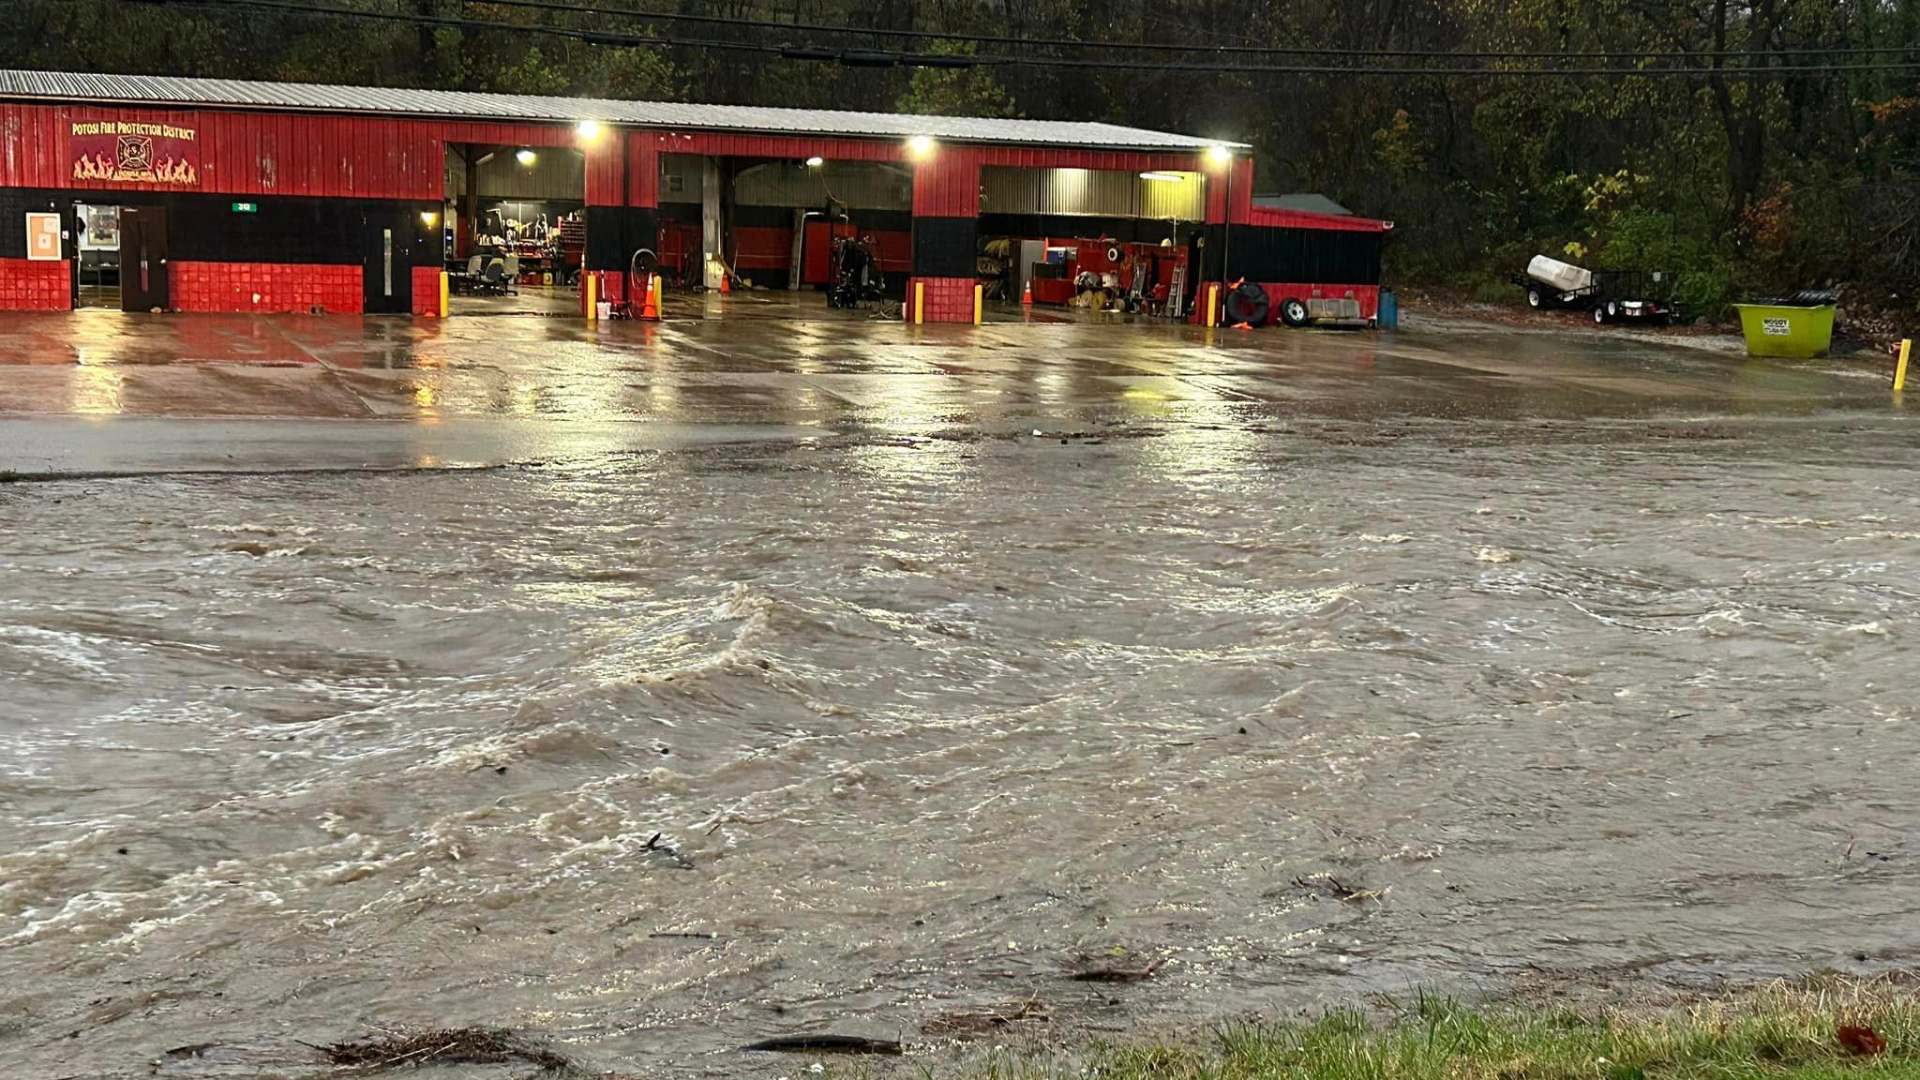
514,229
1091,239
802,236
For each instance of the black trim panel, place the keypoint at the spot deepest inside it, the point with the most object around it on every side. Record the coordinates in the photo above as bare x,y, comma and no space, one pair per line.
944,246
614,233
1304,256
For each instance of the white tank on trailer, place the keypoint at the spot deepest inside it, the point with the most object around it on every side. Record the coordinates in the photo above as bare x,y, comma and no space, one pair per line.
1563,277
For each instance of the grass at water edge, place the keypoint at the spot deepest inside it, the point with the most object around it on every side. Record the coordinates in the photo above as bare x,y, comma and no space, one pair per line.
1790,1031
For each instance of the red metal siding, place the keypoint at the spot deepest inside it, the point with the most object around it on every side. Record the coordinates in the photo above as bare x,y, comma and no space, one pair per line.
492,134
606,170
241,153
1242,193
643,169
285,154
776,146
268,153
947,184
1299,219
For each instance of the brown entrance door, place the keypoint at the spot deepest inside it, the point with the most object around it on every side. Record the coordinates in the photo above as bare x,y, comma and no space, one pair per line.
143,258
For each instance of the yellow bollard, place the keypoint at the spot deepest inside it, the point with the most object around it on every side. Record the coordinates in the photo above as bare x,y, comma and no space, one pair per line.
919,302
443,294
1900,372
1213,304
979,302
591,283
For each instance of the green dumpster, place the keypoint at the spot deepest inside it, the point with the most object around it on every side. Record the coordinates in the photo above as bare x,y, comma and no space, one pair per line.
1796,331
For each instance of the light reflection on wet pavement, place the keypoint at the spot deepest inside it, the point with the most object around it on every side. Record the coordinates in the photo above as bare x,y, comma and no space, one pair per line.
1586,656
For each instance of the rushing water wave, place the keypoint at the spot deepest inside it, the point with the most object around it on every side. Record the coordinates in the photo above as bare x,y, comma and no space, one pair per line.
924,724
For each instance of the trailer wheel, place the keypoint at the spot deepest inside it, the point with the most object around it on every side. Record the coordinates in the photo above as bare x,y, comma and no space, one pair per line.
1293,312
1599,315
1535,299
1613,310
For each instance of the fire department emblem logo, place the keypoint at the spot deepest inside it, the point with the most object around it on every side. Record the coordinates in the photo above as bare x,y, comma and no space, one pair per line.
134,154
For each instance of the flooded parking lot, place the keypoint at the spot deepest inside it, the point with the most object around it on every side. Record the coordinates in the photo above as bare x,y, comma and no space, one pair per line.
668,689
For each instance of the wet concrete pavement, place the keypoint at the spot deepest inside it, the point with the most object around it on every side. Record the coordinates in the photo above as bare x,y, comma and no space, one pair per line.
486,390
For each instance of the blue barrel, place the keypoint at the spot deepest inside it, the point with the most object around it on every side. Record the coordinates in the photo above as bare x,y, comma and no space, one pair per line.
1389,317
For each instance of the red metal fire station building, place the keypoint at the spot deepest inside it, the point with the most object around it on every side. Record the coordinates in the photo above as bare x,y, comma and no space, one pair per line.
248,196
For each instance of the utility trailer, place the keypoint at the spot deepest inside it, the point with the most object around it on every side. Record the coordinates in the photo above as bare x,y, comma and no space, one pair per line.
1611,295
1633,296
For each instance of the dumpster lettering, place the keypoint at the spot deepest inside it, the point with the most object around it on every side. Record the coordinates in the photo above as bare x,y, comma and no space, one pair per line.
1774,327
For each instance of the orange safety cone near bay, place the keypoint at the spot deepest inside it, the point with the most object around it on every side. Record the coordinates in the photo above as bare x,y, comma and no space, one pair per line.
651,308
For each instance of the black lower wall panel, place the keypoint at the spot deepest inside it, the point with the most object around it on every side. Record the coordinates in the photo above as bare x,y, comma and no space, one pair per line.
281,229
614,233
945,246
1305,256
15,205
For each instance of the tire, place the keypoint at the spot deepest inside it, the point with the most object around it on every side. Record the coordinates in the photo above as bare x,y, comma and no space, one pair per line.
1247,304
1535,300
1293,312
1613,310
1599,315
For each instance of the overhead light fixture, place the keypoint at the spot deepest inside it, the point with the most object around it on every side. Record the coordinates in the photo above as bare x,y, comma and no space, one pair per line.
526,157
816,161
1168,177
921,145
587,129
429,218
1219,155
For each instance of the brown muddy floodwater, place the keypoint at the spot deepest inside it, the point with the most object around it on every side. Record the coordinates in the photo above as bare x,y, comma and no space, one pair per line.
921,725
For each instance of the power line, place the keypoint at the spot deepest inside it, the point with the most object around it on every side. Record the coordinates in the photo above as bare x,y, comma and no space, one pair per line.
886,58
1172,47
591,37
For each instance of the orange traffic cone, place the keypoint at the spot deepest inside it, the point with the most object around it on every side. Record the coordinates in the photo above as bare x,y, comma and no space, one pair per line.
726,283
651,308
1026,294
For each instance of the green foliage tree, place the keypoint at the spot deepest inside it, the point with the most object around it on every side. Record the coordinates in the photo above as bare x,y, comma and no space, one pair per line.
1752,174
955,92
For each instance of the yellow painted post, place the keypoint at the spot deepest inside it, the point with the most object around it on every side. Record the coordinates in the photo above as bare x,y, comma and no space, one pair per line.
1900,373
1213,303
444,308
979,301
919,302
592,294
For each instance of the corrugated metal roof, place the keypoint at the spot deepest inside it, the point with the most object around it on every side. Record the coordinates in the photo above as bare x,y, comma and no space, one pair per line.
309,97
1305,201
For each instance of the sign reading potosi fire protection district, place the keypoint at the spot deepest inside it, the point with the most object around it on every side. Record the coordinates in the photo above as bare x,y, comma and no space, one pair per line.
130,152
